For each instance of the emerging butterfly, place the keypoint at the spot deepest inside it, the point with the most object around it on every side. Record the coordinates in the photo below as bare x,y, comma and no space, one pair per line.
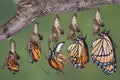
11,62
97,22
103,53
34,44
73,28
78,50
56,30
56,59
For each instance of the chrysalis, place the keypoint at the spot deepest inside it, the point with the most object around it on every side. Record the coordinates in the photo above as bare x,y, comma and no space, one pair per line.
56,30
97,22
73,28
57,24
11,62
33,46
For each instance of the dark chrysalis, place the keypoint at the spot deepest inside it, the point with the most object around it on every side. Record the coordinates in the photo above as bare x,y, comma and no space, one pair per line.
33,46
11,62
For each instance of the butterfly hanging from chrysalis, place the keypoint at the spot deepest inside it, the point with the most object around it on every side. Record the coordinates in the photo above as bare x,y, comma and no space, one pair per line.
56,30
73,28
33,46
78,50
103,50
56,59
103,53
97,22
11,62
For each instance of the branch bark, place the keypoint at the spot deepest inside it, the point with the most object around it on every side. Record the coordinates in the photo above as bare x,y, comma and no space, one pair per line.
29,10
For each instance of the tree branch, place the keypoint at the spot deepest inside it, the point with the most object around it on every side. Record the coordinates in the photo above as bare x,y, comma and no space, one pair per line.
29,10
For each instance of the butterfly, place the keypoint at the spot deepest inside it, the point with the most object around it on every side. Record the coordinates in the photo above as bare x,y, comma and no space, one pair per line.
78,50
103,53
73,28
56,59
33,46
12,58
97,22
56,30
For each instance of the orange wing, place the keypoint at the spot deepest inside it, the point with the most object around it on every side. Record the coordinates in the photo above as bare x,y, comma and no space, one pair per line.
57,61
36,52
56,64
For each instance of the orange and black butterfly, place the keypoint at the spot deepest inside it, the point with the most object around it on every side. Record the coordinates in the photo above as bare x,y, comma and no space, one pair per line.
73,28
78,50
56,31
34,44
12,58
103,53
97,22
56,59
